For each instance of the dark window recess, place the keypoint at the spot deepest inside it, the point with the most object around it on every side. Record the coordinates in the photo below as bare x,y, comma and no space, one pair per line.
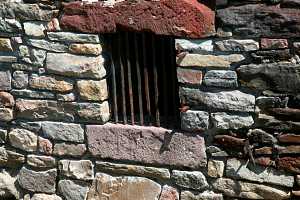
143,81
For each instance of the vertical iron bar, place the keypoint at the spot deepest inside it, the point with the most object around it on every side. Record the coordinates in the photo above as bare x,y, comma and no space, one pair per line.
138,72
173,68
156,97
114,85
146,79
129,79
164,77
122,80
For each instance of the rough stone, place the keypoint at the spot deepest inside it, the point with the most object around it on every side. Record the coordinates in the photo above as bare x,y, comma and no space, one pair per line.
244,20
247,190
45,146
20,79
164,14
276,74
296,45
134,170
269,56
5,80
230,142
33,94
292,149
221,78
25,67
215,168
50,83
285,113
5,45
219,100
260,136
35,29
267,43
92,90
240,169
67,187
86,49
264,102
73,37
3,136
73,150
194,46
83,169
222,120
10,26
146,145
66,97
93,112
169,193
37,57
290,4
291,164
8,59
46,45
6,114
194,121
11,159
264,151
42,110
23,139
8,188
41,181
127,188
289,138
6,100
209,61
45,197
63,131
41,161
237,45
270,122
75,66
207,195
189,76
189,179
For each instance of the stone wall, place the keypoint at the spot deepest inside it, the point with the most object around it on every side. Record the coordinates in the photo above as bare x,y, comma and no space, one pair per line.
240,114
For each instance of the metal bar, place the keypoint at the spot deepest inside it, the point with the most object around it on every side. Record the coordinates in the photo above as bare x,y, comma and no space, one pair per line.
129,79
138,72
122,80
155,81
174,79
114,85
146,79
164,77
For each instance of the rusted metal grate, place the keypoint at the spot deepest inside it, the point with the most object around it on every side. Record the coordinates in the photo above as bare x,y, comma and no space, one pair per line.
143,81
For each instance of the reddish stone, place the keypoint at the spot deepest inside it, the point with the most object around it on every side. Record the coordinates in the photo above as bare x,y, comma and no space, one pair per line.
289,138
6,99
263,151
45,146
230,142
189,76
183,18
286,113
169,193
149,145
264,161
291,164
267,43
293,149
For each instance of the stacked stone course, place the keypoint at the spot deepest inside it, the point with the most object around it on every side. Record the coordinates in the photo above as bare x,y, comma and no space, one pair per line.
240,116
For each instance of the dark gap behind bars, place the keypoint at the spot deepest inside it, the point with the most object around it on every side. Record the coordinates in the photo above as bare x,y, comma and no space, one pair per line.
143,82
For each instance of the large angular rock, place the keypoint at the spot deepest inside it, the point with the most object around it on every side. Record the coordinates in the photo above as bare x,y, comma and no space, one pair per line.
237,45
221,78
192,120
247,190
82,169
6,114
189,76
147,145
73,37
134,170
10,159
75,66
125,188
260,20
189,179
159,17
275,74
169,193
239,169
187,195
222,120
194,46
67,187
270,122
46,45
219,100
23,139
50,83
93,90
41,161
33,94
86,49
5,80
5,45
42,110
98,113
70,150
20,79
8,188
10,26
63,131
41,181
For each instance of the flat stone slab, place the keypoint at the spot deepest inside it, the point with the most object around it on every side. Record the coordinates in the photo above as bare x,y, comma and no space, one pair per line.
146,145
183,18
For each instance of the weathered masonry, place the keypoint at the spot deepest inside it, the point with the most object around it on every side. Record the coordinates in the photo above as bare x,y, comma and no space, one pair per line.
149,99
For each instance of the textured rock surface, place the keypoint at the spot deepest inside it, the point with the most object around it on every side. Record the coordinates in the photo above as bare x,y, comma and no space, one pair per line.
23,139
67,187
92,90
215,168
127,188
221,78
7,186
82,169
186,195
45,197
194,120
41,161
169,193
163,14
189,179
147,145
73,150
224,120
237,45
50,83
